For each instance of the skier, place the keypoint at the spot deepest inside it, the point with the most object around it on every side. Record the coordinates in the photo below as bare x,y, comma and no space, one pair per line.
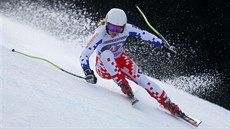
113,63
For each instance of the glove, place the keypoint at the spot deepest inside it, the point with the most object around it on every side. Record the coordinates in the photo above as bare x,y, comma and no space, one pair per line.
90,77
171,51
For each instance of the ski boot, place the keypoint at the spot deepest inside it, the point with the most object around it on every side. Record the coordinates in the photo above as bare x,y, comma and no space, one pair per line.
173,108
126,89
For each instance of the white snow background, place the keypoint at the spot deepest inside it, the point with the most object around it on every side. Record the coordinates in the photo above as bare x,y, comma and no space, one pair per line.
36,95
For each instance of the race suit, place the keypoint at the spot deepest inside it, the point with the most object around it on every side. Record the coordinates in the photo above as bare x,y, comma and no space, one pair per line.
113,63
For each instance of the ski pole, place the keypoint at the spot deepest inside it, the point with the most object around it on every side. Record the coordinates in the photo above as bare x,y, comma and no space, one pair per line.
13,50
146,20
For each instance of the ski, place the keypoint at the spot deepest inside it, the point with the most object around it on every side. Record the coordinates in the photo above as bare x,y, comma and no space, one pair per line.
190,120
133,100
184,117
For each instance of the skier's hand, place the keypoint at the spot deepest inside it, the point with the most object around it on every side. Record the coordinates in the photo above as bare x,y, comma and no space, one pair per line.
90,77
172,51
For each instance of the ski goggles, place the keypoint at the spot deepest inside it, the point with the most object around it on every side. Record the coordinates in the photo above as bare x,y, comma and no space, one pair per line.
115,28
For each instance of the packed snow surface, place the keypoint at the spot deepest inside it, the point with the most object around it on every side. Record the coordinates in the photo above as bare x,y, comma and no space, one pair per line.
35,94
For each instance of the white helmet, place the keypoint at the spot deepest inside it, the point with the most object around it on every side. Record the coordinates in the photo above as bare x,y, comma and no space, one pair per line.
116,17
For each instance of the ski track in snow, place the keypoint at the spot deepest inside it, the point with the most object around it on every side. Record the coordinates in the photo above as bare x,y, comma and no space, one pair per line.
34,94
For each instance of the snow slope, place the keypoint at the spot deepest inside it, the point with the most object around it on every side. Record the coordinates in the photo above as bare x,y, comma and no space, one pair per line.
34,94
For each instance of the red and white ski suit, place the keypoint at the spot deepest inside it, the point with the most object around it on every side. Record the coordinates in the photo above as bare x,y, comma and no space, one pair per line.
113,63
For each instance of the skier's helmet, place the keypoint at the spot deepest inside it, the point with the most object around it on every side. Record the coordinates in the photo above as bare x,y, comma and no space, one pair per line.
116,17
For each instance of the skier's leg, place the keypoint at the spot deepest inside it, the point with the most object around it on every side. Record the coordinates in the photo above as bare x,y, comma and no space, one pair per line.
108,68
133,72
156,92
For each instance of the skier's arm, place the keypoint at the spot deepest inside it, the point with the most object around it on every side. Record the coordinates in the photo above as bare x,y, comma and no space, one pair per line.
89,49
150,38
85,55
144,35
